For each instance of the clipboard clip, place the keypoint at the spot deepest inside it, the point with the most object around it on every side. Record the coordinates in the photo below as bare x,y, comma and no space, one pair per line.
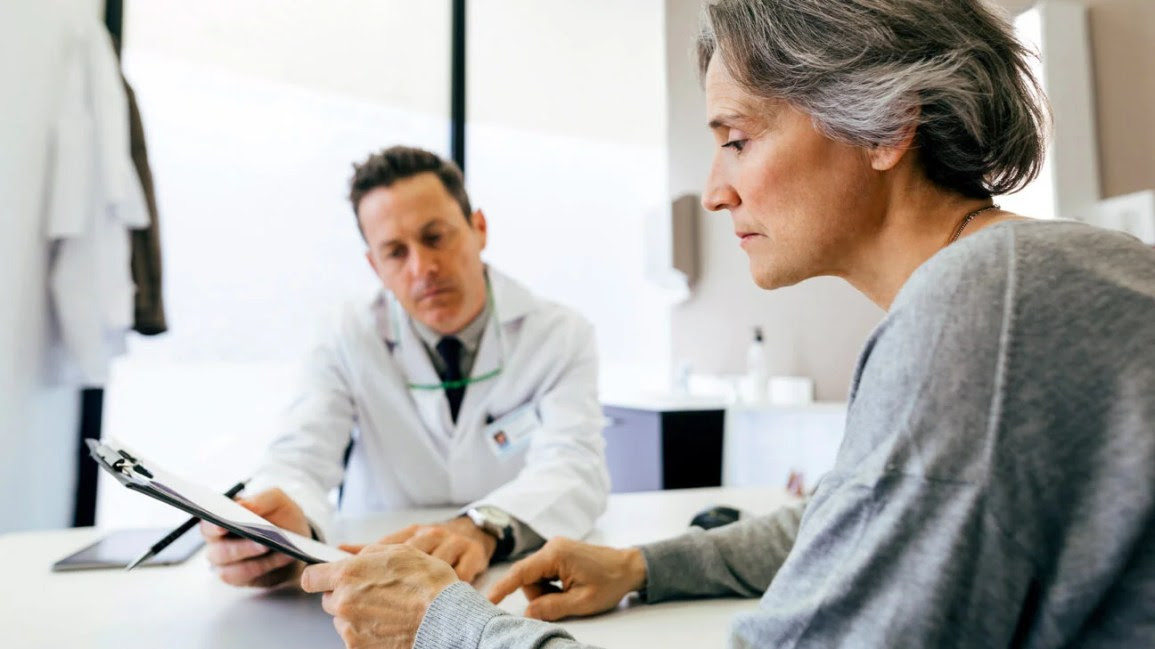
119,461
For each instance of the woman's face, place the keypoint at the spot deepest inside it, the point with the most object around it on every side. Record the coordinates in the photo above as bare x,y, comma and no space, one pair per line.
799,200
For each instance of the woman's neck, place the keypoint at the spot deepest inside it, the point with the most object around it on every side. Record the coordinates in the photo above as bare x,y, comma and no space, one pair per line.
911,229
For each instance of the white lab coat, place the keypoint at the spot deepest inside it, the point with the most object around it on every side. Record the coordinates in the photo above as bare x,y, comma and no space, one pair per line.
95,197
409,453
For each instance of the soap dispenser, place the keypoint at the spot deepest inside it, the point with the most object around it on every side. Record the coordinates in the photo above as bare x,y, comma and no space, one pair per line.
757,368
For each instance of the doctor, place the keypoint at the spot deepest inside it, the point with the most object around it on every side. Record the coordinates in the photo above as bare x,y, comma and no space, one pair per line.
453,385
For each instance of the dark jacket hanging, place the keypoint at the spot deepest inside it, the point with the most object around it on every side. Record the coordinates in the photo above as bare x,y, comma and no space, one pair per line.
146,265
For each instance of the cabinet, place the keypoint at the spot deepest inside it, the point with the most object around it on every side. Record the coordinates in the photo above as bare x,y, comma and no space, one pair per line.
765,446
676,445
648,449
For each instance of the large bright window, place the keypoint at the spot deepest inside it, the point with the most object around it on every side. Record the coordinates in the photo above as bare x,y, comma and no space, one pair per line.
254,111
256,108
566,154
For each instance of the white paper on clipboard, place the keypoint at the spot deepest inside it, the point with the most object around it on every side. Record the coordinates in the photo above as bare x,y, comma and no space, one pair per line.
145,476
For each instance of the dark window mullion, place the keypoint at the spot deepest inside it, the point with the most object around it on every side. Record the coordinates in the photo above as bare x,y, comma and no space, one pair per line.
457,86
92,399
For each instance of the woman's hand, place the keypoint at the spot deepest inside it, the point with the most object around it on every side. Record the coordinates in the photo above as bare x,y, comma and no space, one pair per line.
594,579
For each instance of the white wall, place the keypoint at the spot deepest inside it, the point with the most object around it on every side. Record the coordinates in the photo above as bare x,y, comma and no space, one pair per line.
387,52
587,69
814,329
564,153
1068,182
1123,49
38,420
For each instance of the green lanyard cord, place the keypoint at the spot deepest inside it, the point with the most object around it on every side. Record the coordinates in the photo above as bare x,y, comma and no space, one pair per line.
452,385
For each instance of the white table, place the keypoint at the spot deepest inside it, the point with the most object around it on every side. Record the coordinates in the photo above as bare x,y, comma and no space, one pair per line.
186,607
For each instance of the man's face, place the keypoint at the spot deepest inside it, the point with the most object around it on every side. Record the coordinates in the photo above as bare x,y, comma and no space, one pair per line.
425,252
795,196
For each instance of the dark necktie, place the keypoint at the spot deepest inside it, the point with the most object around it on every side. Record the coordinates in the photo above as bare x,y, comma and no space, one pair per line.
449,348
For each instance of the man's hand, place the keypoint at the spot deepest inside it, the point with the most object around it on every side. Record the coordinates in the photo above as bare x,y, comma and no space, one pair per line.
379,597
241,562
457,542
593,579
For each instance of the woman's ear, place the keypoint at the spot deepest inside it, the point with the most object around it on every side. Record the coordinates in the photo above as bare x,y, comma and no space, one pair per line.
885,158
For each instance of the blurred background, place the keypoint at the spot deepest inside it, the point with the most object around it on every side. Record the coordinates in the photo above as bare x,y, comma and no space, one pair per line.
579,125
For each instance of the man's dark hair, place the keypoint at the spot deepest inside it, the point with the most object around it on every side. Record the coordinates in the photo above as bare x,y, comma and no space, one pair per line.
401,162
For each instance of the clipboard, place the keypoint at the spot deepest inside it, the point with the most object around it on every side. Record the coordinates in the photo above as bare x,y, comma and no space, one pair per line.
146,477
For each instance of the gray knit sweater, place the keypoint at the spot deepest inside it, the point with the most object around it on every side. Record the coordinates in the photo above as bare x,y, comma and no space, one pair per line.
995,487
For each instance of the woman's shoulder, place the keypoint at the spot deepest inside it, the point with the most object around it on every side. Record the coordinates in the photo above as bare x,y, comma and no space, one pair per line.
1031,258
1071,246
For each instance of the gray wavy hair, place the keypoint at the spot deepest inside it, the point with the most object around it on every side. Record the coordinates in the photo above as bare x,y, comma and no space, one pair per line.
863,69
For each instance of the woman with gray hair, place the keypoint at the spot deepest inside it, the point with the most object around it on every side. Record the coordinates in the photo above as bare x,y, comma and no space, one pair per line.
996,482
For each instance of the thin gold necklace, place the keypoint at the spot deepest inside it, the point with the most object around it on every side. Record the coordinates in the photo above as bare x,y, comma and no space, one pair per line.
967,220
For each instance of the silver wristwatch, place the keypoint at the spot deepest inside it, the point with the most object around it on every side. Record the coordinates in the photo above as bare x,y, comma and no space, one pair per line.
497,524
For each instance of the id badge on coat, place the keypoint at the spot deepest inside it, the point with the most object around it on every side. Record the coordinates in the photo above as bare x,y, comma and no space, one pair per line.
511,433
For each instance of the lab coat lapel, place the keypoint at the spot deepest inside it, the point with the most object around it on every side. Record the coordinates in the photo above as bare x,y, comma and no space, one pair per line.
511,303
432,404
511,300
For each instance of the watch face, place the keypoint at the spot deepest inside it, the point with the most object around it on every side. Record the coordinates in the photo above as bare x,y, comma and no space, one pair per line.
494,516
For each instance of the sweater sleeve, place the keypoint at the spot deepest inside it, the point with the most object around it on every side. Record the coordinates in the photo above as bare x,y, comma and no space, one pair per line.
460,617
737,559
740,558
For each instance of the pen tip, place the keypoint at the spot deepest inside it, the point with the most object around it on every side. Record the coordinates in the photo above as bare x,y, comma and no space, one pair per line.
139,560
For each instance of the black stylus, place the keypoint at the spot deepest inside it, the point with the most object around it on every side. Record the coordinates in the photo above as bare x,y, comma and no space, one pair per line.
179,532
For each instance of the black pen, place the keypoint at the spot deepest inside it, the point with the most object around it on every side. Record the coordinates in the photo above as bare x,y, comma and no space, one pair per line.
179,532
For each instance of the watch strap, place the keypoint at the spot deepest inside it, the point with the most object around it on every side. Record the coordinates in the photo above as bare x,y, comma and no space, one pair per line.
504,534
